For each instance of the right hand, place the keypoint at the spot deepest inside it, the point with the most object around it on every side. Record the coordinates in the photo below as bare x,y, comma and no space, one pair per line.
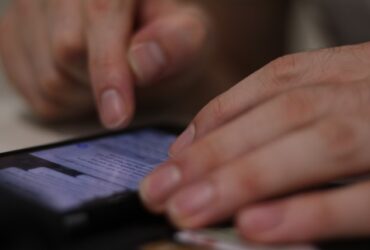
260,151
52,50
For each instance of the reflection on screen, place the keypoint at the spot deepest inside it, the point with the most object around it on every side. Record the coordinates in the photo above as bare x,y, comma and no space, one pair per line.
90,170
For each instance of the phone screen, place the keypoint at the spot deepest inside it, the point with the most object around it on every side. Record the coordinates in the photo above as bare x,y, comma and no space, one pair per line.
68,176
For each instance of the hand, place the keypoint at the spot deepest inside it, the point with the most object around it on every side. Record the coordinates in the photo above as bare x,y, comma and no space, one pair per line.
59,52
299,122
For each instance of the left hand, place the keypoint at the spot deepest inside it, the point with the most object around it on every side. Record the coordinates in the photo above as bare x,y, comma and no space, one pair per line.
301,121
63,54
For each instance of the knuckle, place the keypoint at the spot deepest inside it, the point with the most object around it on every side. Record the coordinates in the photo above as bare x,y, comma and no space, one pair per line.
202,157
106,72
284,69
339,139
208,152
211,115
105,61
211,152
330,64
66,47
218,109
251,182
297,106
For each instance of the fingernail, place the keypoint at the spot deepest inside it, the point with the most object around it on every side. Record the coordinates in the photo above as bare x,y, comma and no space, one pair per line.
113,113
156,187
184,140
260,220
192,200
147,60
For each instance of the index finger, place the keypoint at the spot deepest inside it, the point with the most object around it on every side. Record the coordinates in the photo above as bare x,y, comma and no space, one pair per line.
110,23
279,76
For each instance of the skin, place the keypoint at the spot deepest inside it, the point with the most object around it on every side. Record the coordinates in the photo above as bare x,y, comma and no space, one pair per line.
62,58
300,122
65,55
228,56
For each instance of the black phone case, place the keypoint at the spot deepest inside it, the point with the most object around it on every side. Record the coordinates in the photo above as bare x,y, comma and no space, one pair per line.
21,214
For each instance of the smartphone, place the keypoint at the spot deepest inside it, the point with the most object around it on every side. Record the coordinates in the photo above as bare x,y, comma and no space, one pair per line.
81,184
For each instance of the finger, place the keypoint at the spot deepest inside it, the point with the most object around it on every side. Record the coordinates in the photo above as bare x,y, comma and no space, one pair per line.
171,37
281,75
19,70
331,149
53,84
110,23
65,27
274,119
324,215
14,61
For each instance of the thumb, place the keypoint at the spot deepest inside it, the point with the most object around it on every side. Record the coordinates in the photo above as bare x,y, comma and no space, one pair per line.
172,35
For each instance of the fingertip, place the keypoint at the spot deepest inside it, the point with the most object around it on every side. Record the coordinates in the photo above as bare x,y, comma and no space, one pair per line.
144,197
184,223
147,61
145,200
166,46
260,223
114,112
183,141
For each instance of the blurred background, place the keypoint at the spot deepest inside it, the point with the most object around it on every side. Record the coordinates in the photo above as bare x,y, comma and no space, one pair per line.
305,25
